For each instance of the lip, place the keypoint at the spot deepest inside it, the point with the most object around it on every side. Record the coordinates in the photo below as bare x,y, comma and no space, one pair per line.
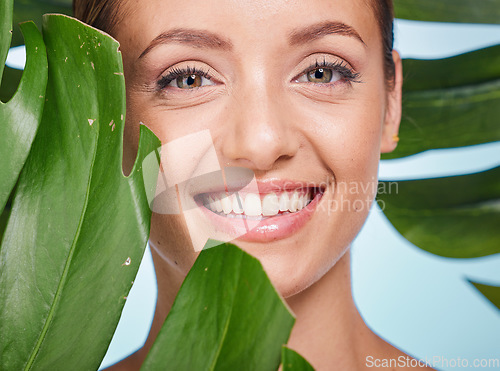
269,228
238,179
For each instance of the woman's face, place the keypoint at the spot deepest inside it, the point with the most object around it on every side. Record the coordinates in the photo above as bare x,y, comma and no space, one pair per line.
291,91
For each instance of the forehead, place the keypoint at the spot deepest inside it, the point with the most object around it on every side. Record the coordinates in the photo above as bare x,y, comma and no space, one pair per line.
240,22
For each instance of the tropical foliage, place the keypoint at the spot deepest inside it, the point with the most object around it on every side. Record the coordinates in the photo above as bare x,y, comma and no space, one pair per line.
75,228
447,104
78,227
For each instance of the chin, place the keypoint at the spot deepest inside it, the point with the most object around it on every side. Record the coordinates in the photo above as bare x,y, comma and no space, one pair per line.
294,265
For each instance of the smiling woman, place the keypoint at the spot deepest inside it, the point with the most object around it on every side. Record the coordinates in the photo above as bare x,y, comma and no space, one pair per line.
297,100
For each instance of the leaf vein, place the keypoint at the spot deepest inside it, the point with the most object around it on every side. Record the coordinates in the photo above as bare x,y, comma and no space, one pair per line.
62,281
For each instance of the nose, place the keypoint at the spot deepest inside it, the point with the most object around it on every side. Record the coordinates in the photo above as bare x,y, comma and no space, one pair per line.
259,132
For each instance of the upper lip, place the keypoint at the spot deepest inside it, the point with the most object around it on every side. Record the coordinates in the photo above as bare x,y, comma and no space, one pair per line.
260,187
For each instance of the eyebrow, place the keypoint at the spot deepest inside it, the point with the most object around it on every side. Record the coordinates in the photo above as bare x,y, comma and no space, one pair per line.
319,30
196,38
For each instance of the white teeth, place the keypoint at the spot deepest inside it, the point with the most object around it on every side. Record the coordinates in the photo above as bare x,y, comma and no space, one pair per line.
217,204
253,206
284,201
270,205
211,204
226,203
300,203
237,200
294,202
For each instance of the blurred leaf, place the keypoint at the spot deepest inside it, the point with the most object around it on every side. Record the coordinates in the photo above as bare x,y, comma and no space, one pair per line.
449,118
4,217
470,68
292,361
5,30
20,117
78,227
33,10
10,81
450,102
456,217
492,293
27,10
462,11
229,314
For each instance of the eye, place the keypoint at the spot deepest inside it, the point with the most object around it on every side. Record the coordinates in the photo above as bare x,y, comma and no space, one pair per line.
322,75
323,72
184,79
190,82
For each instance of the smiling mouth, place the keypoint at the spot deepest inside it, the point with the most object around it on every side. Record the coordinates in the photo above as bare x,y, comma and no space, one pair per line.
258,206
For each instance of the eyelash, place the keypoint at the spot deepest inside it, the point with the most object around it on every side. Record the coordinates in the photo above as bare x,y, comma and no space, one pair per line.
347,73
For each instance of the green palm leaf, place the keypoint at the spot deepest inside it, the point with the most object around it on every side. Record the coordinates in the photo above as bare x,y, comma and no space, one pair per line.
492,293
293,361
450,102
456,217
229,314
463,11
78,227
34,10
20,117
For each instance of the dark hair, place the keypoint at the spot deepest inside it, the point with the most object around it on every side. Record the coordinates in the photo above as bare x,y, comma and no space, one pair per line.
101,14
384,14
105,15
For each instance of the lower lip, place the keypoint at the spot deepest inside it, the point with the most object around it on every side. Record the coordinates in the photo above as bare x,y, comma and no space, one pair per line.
269,229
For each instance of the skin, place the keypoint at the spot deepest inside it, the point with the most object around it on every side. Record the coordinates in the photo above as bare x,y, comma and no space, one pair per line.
263,115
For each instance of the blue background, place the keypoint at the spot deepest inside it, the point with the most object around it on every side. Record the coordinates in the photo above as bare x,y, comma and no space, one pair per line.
419,302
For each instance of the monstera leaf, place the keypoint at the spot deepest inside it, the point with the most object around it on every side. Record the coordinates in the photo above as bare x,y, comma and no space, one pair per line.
229,314
78,226
34,10
20,117
292,361
456,217
448,104
24,10
492,293
451,102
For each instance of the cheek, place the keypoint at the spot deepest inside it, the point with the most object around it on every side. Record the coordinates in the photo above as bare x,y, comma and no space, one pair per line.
347,138
170,236
169,123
